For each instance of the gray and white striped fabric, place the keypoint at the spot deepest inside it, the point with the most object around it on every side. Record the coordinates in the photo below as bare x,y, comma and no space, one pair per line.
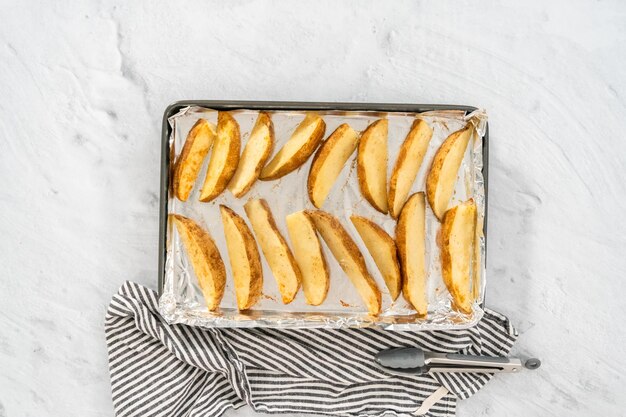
175,370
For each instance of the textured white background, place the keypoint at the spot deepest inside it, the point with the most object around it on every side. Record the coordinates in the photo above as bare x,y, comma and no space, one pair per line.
82,90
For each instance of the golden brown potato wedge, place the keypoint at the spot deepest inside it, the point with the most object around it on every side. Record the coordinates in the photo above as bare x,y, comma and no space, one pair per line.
444,169
458,231
410,238
372,164
244,257
408,164
275,248
224,157
477,264
349,257
329,161
310,257
188,164
254,156
383,250
205,259
298,148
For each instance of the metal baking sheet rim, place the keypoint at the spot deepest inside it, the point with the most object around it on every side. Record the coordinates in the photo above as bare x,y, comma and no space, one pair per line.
274,105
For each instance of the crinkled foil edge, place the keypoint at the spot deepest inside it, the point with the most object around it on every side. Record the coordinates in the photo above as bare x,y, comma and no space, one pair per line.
174,313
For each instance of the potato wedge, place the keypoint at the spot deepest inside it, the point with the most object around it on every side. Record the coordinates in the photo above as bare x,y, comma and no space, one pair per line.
309,255
224,157
275,248
329,161
244,257
408,164
372,164
349,257
476,262
298,148
383,250
204,258
444,169
410,238
458,231
188,164
254,156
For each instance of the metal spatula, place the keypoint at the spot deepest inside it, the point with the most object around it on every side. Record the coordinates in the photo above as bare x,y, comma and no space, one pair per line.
417,361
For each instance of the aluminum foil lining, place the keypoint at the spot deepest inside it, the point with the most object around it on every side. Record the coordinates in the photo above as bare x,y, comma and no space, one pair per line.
182,301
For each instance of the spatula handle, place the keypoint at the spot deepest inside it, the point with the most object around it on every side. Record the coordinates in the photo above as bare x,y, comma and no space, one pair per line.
446,362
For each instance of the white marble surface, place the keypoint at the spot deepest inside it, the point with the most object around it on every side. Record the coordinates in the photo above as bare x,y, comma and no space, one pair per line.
82,91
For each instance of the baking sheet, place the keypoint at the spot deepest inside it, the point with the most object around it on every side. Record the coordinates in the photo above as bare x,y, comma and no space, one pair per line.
181,300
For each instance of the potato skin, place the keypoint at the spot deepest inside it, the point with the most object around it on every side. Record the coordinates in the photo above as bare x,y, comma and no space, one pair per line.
402,238
323,275
181,185
341,235
210,254
362,167
287,297
432,180
320,157
224,122
299,158
262,119
401,162
462,296
477,262
253,256
394,279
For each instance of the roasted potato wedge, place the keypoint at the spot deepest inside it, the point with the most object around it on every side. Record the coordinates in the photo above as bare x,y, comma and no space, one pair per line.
372,164
224,157
309,255
188,164
205,259
275,248
329,161
254,156
244,257
383,250
477,264
444,169
408,164
349,257
410,238
458,232
298,148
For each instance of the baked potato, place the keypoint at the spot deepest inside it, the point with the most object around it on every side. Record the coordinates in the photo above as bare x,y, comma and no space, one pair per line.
205,259
383,250
298,148
244,257
477,264
410,238
408,164
224,157
254,156
329,161
189,162
444,169
309,255
347,254
275,248
372,164
458,233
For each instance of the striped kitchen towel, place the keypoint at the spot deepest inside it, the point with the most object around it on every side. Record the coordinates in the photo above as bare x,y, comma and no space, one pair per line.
176,370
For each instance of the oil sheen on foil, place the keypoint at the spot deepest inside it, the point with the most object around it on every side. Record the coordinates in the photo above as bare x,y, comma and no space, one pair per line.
182,301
